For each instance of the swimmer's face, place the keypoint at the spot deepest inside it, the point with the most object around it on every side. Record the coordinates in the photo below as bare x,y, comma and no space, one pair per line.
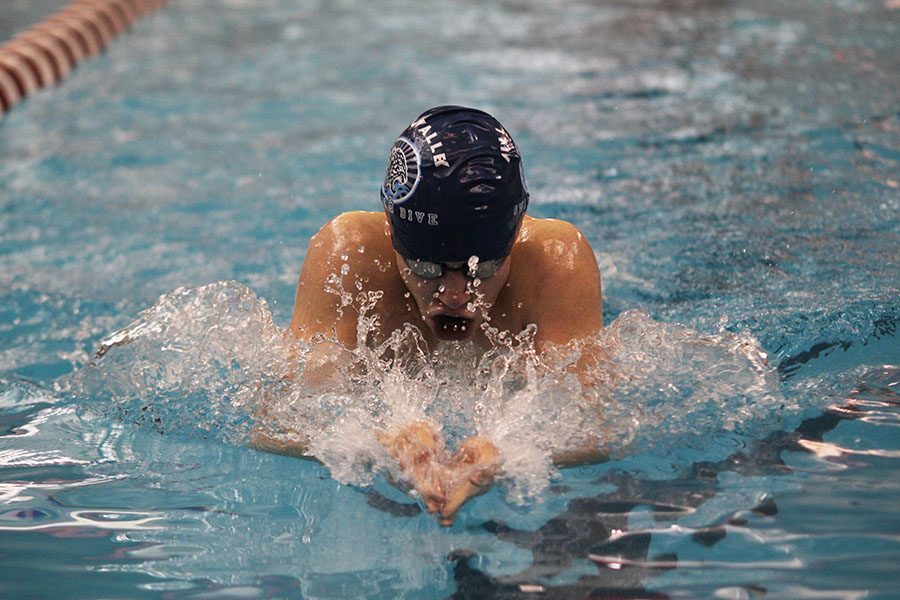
453,305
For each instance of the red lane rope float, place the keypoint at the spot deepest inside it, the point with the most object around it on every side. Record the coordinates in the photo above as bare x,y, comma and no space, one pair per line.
9,91
44,54
72,41
53,48
87,32
18,68
35,59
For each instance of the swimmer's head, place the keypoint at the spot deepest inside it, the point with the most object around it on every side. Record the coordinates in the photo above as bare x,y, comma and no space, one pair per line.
454,188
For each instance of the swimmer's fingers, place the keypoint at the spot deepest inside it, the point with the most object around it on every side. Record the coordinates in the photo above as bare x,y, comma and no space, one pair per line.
419,451
472,485
424,478
473,469
415,443
418,483
434,500
459,495
428,479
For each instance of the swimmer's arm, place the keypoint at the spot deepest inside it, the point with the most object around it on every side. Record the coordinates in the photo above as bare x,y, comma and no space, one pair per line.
588,453
319,313
276,444
264,436
326,367
566,299
332,266
332,255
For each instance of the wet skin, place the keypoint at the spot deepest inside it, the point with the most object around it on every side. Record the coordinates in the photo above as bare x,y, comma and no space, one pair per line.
550,280
453,305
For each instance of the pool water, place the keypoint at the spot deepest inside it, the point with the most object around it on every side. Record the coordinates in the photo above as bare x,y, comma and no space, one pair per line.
734,165
18,15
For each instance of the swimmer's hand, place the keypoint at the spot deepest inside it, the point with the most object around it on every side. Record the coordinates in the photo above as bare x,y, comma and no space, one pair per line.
445,484
419,450
470,472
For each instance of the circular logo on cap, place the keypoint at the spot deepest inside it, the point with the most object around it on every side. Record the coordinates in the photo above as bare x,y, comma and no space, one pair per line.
402,175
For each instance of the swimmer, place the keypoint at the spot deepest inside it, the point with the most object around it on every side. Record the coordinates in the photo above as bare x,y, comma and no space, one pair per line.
453,250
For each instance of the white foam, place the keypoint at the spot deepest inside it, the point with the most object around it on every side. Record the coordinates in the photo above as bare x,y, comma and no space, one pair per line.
202,360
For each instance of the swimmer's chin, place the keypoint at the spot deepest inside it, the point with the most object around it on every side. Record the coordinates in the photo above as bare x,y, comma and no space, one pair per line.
452,328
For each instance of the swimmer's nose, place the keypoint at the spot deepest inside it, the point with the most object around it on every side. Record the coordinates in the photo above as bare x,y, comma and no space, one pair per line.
453,290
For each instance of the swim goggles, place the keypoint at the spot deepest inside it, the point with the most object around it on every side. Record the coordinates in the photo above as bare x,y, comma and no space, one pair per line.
432,270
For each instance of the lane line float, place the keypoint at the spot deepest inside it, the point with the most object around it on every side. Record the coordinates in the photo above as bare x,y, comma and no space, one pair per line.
46,53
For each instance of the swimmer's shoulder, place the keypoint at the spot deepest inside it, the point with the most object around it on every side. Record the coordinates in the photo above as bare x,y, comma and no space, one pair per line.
552,246
353,229
554,273
358,239
356,248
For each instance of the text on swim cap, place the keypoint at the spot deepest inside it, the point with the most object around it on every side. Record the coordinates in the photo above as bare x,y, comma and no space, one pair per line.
413,216
440,160
520,207
506,144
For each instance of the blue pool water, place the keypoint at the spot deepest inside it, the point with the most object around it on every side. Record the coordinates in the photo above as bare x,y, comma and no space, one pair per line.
734,165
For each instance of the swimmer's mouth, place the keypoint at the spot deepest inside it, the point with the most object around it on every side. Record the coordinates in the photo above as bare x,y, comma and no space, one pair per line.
449,327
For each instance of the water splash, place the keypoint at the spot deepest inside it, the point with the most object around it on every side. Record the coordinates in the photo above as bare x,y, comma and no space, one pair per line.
204,361
194,363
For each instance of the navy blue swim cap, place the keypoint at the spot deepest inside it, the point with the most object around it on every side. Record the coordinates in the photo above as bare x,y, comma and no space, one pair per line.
454,187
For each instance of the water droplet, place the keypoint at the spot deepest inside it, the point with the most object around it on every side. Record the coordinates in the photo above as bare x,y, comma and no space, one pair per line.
476,282
470,307
406,295
344,257
362,249
472,264
345,268
519,305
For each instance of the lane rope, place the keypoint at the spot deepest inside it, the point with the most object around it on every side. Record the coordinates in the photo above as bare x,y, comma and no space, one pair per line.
46,53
